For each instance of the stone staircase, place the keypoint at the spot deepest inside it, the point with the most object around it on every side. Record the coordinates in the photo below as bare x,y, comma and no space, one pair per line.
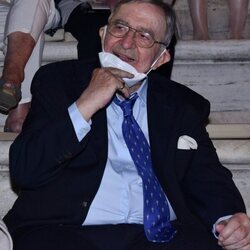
218,69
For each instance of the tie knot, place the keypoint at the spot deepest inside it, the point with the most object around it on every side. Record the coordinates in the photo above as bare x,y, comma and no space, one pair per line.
126,105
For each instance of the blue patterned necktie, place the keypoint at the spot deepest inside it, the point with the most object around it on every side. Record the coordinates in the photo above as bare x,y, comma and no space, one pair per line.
156,215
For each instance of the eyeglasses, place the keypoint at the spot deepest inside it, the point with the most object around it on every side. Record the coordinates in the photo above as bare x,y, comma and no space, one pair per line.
142,39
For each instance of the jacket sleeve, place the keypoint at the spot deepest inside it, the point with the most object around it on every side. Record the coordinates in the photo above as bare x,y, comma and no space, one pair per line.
48,140
208,186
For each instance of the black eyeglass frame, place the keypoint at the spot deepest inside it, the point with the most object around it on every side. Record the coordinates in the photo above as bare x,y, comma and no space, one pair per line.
135,31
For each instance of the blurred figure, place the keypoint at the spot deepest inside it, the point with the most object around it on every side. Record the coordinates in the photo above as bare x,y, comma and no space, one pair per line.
23,47
5,238
238,10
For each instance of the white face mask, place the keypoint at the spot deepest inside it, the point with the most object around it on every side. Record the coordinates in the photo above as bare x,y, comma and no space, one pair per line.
110,60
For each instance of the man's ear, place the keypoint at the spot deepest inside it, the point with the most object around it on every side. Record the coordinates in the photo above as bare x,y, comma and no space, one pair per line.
164,58
102,32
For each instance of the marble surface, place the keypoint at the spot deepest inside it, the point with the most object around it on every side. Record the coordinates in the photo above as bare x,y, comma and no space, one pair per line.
241,176
233,151
230,131
218,70
234,154
230,117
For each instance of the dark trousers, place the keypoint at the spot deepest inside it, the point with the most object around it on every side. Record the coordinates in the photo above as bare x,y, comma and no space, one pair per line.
84,24
109,237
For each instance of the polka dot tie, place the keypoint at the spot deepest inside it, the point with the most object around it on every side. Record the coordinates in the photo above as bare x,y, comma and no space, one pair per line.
156,215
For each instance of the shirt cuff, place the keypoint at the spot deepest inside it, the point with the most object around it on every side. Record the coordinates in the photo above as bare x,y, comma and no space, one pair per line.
218,221
81,126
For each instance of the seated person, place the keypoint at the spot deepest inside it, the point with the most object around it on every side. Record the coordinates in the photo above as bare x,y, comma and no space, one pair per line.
109,159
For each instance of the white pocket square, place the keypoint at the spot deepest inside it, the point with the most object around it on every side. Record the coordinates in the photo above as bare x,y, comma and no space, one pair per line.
186,142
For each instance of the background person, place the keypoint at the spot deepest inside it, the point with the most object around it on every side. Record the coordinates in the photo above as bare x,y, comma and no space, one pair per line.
23,45
238,10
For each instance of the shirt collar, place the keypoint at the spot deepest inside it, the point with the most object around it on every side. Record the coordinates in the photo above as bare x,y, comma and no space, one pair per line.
141,92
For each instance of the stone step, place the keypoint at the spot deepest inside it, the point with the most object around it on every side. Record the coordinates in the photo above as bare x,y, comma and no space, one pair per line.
217,19
212,51
216,131
234,154
229,117
241,175
218,70
232,142
229,131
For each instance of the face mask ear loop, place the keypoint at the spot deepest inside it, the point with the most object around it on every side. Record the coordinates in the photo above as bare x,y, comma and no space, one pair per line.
155,61
103,37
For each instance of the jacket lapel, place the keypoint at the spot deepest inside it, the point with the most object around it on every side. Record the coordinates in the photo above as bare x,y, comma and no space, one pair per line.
100,135
161,119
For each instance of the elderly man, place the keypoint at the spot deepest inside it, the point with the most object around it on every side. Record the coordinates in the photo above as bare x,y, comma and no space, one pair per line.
115,157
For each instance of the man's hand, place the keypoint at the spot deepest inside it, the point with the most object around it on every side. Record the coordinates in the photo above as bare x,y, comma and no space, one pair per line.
103,85
234,233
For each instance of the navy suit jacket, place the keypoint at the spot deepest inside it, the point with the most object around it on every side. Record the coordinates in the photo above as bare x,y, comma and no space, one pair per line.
58,176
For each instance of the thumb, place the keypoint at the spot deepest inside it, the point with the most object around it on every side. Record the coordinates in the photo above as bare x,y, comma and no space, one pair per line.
220,226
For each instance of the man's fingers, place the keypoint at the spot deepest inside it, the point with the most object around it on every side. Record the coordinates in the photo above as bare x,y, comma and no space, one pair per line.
220,227
231,225
238,240
234,232
124,90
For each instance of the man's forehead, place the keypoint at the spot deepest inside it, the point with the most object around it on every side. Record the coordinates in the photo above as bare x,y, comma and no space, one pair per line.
140,15
141,8
139,26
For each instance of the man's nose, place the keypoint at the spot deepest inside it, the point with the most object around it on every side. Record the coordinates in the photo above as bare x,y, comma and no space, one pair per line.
128,41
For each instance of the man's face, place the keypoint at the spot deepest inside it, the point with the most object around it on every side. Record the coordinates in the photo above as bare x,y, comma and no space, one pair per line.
139,16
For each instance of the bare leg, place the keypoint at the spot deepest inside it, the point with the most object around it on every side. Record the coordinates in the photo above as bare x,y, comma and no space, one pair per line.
13,72
238,10
23,57
198,10
16,58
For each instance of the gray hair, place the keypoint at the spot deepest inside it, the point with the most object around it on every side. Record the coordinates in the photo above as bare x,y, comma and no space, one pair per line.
165,7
